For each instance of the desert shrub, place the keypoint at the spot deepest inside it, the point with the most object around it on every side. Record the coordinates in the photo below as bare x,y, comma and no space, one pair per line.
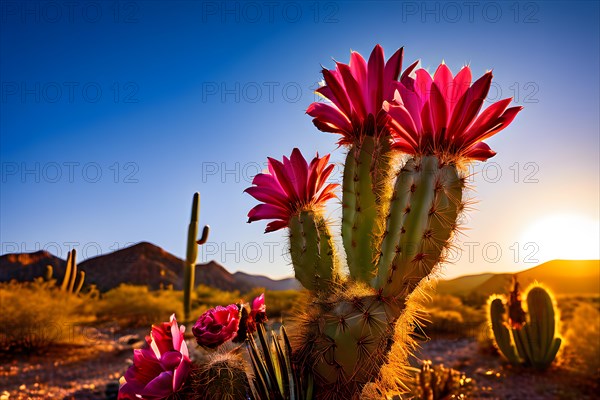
205,297
135,306
583,338
37,315
448,314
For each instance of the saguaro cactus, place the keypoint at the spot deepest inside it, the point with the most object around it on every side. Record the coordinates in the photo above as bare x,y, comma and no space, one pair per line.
397,223
192,255
526,337
69,284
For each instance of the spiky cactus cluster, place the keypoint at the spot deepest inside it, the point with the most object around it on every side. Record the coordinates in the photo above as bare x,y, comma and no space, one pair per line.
408,138
394,234
526,337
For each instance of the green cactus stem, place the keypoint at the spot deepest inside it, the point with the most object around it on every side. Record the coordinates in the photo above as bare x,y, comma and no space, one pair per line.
192,255
312,250
365,201
426,201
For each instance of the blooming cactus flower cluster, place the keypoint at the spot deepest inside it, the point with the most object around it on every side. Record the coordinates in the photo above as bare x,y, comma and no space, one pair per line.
160,370
163,368
407,136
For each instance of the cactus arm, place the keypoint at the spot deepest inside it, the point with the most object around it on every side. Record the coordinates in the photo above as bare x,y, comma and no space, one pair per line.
349,203
67,278
502,335
395,220
312,251
542,327
80,282
73,274
435,196
541,319
363,220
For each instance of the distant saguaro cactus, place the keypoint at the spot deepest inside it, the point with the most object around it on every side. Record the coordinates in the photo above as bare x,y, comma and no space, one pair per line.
525,337
68,284
192,255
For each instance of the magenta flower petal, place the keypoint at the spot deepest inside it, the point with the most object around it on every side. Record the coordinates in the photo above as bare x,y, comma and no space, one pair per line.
152,374
303,187
357,91
440,115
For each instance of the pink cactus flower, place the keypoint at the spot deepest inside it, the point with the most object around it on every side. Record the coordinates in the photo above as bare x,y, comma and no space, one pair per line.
160,370
258,313
217,326
290,187
357,91
439,115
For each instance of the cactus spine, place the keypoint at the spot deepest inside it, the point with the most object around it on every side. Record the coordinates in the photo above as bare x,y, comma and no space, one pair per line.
533,341
394,233
192,255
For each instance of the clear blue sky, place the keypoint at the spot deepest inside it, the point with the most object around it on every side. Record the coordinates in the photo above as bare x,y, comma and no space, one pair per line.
114,113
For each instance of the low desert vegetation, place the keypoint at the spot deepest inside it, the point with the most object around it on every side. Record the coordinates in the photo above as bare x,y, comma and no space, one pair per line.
37,315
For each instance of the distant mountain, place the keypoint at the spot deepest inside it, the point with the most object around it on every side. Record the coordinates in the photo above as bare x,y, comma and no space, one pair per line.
140,264
27,266
266,282
562,276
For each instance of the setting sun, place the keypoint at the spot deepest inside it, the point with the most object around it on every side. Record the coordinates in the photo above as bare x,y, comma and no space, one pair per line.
564,236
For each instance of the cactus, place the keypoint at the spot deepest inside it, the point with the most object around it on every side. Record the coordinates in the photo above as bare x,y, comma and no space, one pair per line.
192,255
223,377
529,339
408,142
72,281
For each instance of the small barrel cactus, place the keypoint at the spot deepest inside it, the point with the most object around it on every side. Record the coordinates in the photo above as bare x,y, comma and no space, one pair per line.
526,337
408,141
223,377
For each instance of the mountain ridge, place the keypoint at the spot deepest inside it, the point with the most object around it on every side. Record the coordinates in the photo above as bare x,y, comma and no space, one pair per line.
147,264
141,264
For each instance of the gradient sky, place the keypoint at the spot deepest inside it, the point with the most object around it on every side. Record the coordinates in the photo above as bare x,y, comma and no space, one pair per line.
114,113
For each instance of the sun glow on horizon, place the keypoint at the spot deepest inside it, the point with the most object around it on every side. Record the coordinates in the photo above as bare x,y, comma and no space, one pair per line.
564,236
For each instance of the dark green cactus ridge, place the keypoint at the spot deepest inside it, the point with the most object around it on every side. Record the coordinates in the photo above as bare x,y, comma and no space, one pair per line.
534,343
